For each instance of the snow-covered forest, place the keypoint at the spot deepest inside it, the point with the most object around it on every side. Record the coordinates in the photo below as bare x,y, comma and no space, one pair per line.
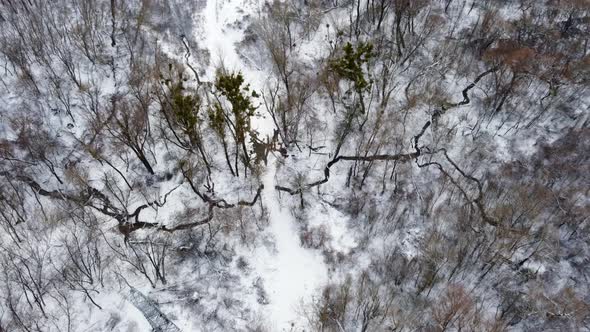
294,165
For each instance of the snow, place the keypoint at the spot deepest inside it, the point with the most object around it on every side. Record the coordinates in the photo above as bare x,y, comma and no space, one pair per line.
336,225
117,314
219,40
291,274
219,36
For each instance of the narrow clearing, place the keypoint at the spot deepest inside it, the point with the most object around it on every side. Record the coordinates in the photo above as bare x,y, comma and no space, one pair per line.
290,272
294,273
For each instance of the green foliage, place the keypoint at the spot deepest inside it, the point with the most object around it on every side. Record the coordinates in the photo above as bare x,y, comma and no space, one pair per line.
239,96
185,107
217,120
350,64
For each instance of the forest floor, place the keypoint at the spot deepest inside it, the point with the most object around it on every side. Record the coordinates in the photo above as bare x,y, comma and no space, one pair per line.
291,273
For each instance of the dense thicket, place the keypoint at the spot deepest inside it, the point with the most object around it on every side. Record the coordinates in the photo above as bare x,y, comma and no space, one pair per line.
452,136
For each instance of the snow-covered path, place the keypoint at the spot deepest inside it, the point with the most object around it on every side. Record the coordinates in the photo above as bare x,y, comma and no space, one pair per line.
217,38
291,273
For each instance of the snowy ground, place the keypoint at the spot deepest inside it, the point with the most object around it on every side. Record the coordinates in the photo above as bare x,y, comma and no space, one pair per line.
291,274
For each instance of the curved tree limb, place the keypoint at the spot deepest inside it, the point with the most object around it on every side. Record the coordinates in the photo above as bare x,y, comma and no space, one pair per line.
403,157
94,198
478,201
414,156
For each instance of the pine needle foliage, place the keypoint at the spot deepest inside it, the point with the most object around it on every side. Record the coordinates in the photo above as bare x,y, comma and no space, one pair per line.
239,97
350,65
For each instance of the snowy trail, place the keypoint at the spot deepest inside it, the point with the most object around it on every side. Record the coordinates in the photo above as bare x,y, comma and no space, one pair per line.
291,273
220,41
